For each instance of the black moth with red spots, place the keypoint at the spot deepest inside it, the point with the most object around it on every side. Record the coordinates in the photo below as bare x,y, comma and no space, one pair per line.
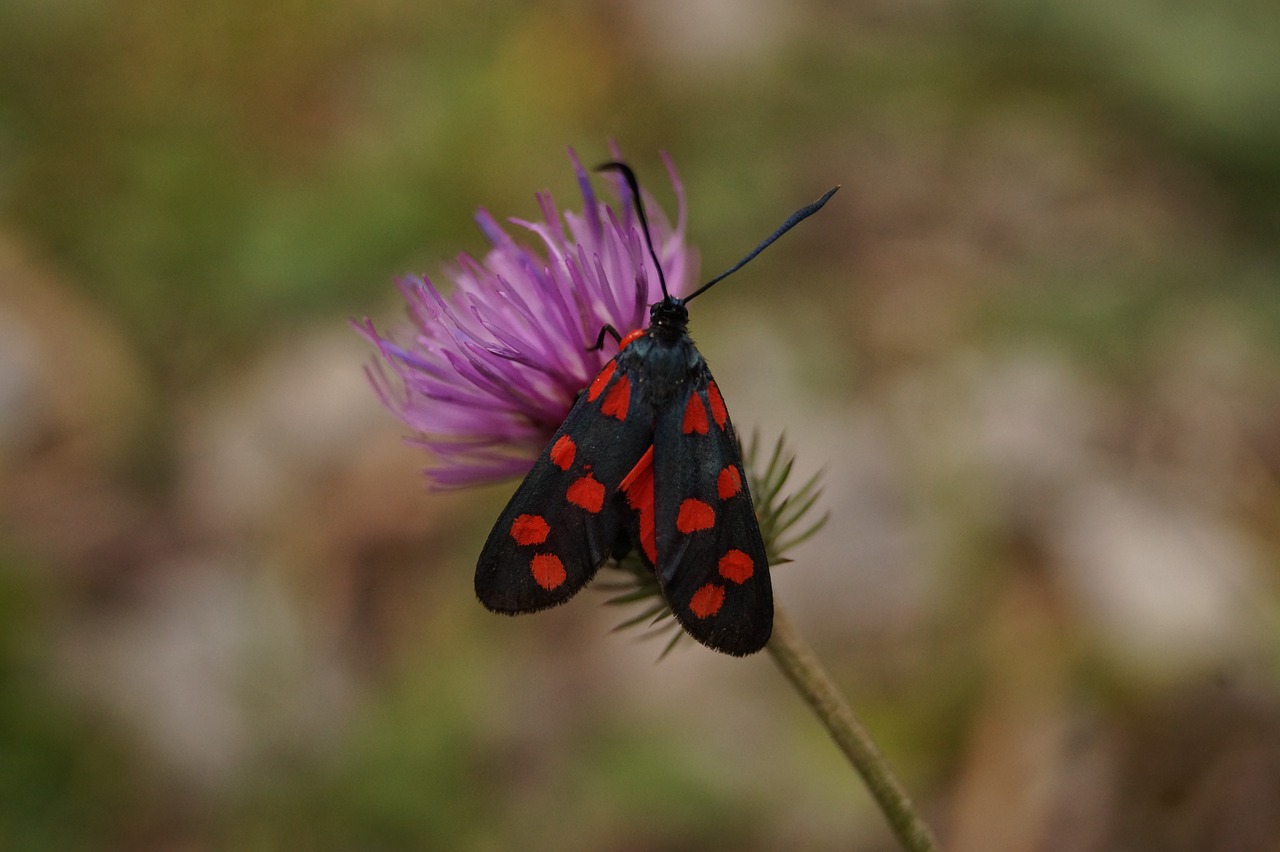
647,459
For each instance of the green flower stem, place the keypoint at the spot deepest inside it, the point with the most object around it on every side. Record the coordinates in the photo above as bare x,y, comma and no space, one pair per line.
802,668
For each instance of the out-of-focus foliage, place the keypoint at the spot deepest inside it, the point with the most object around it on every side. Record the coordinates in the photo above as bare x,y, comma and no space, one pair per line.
1032,342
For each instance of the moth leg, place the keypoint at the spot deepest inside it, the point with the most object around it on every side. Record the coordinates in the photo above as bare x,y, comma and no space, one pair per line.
609,330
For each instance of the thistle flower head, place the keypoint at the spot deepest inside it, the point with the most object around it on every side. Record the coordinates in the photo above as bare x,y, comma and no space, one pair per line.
486,372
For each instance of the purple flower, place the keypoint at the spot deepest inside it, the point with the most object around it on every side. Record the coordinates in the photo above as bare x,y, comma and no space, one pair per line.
486,374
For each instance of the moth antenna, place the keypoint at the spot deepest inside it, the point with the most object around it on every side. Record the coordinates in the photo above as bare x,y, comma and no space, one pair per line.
792,220
630,177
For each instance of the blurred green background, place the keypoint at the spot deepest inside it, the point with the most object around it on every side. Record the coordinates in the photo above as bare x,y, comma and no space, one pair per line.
1033,343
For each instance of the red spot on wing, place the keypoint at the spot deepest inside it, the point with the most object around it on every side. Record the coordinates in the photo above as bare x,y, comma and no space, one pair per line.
695,515
530,529
718,411
729,482
695,416
548,571
707,601
563,451
602,378
587,492
626,341
638,486
617,399
736,566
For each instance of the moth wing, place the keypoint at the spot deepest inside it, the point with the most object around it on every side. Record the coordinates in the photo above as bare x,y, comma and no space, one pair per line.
564,520
711,562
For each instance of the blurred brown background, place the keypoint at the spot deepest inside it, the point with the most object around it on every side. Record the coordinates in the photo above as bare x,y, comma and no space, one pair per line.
1033,342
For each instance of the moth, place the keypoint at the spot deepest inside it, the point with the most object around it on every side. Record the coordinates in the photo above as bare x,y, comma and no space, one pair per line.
647,459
